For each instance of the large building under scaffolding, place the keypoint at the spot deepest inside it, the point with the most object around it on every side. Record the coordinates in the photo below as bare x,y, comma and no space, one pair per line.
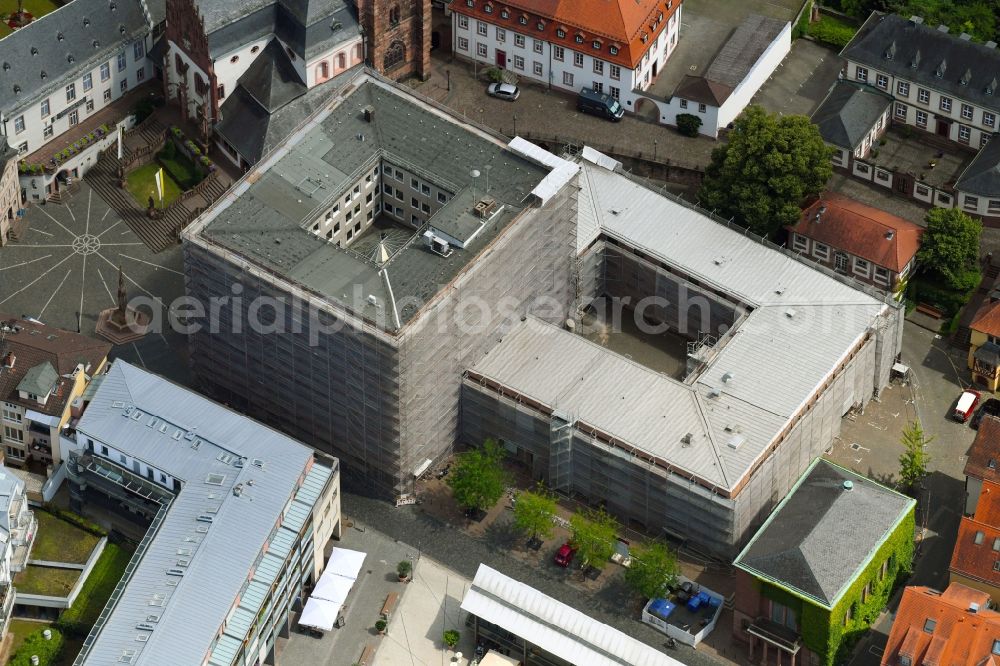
408,242
776,353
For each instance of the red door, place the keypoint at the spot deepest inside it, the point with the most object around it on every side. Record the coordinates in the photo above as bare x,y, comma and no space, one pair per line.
501,59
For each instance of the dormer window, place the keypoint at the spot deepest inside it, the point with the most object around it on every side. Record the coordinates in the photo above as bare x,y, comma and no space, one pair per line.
504,14
523,19
929,625
996,647
540,25
905,660
613,50
978,538
470,3
560,33
488,9
579,39
597,44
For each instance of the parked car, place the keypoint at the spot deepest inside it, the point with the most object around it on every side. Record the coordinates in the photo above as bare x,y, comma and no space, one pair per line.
564,555
505,91
991,407
599,104
966,405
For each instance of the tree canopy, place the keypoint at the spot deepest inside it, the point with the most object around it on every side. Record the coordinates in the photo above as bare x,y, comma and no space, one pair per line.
766,169
533,513
913,463
594,535
477,478
949,249
976,17
653,569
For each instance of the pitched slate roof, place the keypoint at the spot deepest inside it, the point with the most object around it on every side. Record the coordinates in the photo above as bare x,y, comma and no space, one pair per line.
39,380
824,532
272,80
983,460
939,629
872,234
982,176
62,45
849,112
700,89
912,43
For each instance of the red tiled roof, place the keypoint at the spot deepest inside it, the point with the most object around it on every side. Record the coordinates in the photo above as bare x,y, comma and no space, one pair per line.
618,23
958,636
984,455
987,319
977,560
34,344
988,506
861,230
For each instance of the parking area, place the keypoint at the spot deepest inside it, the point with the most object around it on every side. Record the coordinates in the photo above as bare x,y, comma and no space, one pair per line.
801,81
705,27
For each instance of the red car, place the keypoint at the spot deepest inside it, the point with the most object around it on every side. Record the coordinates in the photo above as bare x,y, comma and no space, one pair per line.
966,405
564,555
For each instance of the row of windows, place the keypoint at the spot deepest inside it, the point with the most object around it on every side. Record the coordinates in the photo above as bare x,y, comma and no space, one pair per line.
921,119
842,262
967,111
482,50
74,116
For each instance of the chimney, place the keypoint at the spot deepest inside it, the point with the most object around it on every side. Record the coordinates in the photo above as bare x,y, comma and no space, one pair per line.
973,608
916,20
369,112
819,213
9,359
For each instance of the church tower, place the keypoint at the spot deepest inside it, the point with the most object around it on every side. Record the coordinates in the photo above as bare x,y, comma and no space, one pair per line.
398,36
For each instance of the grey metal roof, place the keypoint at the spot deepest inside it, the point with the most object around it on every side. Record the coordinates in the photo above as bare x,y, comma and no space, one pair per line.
982,176
742,50
849,112
917,52
272,80
225,552
264,217
823,533
39,380
794,312
62,45
219,13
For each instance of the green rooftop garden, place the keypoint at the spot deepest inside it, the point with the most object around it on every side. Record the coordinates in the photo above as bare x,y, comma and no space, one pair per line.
94,594
58,541
48,581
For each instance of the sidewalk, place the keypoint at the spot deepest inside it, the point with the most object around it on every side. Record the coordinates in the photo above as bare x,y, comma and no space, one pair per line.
543,114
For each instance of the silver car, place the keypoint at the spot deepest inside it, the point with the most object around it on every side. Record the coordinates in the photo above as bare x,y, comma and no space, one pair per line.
503,91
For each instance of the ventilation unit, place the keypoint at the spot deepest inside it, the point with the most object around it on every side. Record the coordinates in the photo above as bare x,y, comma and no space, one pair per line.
437,245
484,207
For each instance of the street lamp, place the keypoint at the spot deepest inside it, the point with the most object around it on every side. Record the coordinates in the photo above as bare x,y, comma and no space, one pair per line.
515,124
654,150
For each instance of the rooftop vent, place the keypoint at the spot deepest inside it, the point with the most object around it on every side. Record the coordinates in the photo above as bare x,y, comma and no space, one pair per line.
438,246
238,463
848,484
145,626
916,20
736,441
259,463
965,37
484,207
990,44
224,458
60,36
714,392
215,479
6,66
974,607
369,112
175,572
34,50
372,300
17,89
238,489
942,28
205,518
916,60
727,377
966,77
86,22
889,235
890,52
790,313
686,439
96,44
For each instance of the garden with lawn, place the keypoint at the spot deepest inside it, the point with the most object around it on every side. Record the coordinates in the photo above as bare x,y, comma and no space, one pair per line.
107,571
142,185
59,541
37,9
46,581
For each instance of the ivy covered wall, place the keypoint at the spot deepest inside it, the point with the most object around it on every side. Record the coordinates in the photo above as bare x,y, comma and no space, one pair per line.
824,631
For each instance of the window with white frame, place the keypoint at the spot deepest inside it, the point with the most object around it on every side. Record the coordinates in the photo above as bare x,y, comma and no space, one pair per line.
537,45
598,87
972,203
578,59
47,132
821,251
519,41
568,79
45,108
800,243
922,190
88,81
11,413
861,74
921,119
993,206
702,108
598,66
862,267
463,22
501,35
536,68
967,111
121,61
902,88
140,74
882,81
13,434
989,119
518,62
964,133
107,95
71,92
615,71
18,124
984,138
613,50
138,49
105,71
923,95
481,49
481,28
945,103
463,44
683,104
615,92
124,85
900,111
881,275
90,105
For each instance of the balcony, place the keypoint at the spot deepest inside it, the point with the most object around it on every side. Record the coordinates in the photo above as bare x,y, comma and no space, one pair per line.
22,539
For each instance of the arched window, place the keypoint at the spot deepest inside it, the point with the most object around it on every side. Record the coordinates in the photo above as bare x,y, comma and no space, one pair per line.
394,56
394,16
323,71
341,61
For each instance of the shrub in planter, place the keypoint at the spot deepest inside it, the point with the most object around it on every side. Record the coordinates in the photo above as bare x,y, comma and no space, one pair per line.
688,124
404,569
451,638
380,625
177,131
495,74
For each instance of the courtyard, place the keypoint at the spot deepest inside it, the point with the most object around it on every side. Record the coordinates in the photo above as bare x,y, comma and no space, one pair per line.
142,186
37,8
64,272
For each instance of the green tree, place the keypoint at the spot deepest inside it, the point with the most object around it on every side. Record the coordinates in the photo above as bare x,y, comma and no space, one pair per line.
688,124
913,463
653,569
769,166
594,535
477,477
949,249
533,513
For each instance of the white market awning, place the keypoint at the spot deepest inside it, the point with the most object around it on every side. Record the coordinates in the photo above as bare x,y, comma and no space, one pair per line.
333,588
345,562
319,614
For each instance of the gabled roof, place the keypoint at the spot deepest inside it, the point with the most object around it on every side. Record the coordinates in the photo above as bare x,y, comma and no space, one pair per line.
824,533
272,80
62,45
983,460
700,89
872,234
977,551
917,52
987,319
849,112
982,176
39,380
940,629
553,626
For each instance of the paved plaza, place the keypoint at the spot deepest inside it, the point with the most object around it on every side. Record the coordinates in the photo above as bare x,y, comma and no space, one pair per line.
64,271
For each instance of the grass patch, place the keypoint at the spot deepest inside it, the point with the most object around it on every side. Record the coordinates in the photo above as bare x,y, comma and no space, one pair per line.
48,581
142,185
107,571
832,31
21,629
59,541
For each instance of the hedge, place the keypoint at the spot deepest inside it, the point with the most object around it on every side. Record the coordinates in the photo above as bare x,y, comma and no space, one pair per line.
48,651
108,570
75,519
688,124
949,301
831,31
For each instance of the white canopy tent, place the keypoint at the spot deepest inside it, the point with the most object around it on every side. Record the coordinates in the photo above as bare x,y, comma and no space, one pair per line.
319,613
345,562
331,587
